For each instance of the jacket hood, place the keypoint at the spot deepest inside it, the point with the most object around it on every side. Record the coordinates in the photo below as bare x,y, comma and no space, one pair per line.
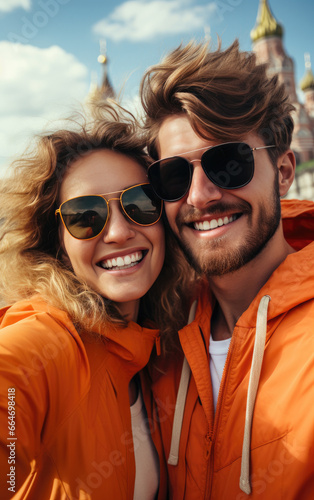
298,222
131,347
292,282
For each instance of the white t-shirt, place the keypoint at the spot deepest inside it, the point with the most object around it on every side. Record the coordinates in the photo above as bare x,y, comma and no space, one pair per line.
146,457
218,350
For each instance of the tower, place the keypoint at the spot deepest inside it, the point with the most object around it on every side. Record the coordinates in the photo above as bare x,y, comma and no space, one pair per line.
105,90
307,85
267,41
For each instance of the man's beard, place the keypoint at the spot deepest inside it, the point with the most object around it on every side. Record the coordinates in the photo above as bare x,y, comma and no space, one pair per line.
218,260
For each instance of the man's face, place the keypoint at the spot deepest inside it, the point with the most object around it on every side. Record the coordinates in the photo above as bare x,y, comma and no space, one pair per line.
220,230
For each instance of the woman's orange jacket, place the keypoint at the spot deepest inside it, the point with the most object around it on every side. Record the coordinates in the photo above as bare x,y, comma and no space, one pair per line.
65,425
209,447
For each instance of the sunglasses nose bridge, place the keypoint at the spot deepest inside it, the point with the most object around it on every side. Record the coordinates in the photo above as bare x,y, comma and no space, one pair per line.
108,207
192,165
110,199
202,189
120,208
114,199
118,227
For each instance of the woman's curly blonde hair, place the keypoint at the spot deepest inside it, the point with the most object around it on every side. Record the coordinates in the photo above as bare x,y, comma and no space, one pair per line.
30,252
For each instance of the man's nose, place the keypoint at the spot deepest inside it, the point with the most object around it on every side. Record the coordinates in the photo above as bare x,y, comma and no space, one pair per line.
202,191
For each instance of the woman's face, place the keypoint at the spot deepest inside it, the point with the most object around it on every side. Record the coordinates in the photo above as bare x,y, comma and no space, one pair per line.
104,262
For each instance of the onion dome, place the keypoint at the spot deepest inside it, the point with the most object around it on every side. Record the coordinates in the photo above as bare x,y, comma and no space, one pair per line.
266,24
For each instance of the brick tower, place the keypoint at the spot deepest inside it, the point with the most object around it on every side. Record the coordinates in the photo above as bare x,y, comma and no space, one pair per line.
267,40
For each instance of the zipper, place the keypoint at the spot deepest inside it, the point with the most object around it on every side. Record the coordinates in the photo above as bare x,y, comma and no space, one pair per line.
210,437
157,345
207,456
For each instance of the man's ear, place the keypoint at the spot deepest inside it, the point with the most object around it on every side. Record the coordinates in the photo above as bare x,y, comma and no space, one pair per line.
286,171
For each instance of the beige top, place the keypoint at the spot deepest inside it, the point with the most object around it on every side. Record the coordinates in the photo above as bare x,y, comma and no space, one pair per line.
146,458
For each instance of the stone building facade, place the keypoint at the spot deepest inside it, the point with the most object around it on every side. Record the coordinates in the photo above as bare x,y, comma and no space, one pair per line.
267,43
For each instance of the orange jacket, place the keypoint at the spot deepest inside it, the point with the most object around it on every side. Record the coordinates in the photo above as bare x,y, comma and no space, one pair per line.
65,425
278,454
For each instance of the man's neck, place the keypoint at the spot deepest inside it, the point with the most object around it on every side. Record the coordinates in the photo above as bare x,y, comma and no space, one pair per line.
234,292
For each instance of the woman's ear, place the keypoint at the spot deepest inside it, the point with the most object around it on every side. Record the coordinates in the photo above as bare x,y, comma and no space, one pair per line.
286,171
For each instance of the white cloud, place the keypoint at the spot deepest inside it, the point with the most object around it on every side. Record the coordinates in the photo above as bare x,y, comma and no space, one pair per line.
8,5
140,20
36,86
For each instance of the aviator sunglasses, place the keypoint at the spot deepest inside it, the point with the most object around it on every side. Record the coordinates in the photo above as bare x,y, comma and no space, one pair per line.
228,166
85,217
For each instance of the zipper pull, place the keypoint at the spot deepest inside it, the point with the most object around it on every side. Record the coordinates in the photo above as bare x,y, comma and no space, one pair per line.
157,345
208,446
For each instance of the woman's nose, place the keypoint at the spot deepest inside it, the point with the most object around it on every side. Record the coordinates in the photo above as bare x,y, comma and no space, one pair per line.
118,228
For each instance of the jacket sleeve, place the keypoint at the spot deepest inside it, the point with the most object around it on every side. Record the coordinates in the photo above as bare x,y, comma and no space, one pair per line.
38,361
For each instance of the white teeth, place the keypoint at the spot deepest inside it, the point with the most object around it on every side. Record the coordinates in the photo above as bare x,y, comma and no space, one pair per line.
127,260
207,225
122,262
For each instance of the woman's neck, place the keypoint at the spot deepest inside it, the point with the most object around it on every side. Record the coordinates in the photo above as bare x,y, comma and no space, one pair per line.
129,310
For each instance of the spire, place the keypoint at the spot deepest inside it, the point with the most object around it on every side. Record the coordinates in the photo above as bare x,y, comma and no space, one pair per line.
307,82
105,89
93,94
266,24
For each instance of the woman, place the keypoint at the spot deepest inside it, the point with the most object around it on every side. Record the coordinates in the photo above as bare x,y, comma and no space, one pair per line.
81,244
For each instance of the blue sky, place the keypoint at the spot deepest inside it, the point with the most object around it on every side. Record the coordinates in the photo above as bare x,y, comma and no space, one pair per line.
49,49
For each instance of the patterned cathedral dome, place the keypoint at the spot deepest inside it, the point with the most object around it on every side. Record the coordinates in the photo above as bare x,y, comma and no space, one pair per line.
266,24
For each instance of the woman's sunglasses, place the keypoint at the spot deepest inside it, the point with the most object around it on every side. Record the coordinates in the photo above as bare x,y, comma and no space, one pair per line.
86,216
228,166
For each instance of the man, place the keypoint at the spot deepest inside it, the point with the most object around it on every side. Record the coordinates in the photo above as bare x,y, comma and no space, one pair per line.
220,132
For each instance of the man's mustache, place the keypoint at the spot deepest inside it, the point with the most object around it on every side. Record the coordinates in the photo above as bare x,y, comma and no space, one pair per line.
189,215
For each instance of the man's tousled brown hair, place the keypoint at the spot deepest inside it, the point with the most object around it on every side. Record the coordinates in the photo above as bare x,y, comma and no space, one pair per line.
224,93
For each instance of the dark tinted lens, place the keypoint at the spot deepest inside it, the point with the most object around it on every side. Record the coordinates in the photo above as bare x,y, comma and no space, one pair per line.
141,205
85,217
170,178
229,166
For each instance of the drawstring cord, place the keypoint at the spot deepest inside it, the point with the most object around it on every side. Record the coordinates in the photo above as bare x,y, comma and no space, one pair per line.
180,403
257,360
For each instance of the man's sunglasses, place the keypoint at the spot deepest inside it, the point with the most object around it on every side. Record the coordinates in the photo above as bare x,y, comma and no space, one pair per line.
228,166
86,216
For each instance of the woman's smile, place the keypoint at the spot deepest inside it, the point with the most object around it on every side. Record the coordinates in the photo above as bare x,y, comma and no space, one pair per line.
122,262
